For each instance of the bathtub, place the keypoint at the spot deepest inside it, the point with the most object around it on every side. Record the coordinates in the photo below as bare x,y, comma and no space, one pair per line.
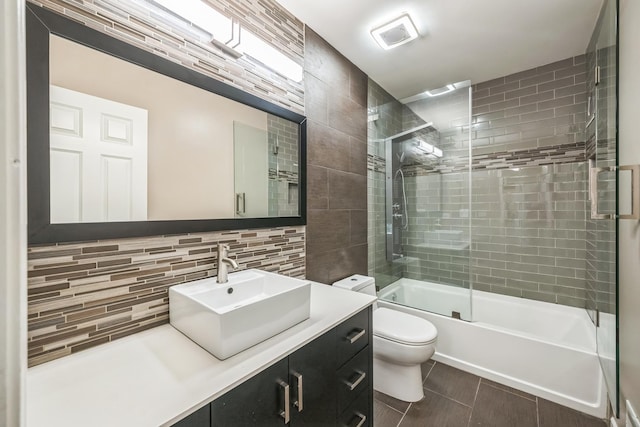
548,350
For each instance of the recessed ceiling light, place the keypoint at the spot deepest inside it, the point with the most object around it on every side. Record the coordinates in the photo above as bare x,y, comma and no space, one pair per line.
399,31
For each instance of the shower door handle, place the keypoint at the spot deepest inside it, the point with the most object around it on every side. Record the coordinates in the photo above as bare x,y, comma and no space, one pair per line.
593,191
635,189
240,204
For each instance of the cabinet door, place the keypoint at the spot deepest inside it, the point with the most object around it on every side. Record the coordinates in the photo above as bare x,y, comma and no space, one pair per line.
200,418
259,401
312,373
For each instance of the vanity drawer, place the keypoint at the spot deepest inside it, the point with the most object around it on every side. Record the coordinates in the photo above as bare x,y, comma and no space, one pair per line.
353,379
353,336
358,413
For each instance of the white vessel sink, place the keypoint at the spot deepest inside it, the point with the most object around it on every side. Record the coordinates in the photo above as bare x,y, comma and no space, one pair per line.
252,306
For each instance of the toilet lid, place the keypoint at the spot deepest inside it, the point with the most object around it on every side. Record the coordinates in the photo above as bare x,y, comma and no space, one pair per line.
402,327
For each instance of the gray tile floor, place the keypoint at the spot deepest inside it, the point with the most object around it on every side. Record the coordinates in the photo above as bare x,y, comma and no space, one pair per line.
454,398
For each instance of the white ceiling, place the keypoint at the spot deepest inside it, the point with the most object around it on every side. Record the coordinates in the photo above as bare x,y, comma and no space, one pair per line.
459,40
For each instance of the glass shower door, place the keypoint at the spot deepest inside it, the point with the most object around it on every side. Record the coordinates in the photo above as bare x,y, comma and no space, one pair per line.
601,135
428,205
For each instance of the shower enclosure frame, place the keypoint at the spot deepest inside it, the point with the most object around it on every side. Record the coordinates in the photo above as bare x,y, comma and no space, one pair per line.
389,177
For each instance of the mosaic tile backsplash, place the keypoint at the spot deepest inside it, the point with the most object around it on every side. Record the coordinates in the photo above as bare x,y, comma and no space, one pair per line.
85,294
150,28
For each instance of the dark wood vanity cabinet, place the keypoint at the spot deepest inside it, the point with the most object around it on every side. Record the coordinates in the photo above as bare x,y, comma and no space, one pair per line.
327,382
200,418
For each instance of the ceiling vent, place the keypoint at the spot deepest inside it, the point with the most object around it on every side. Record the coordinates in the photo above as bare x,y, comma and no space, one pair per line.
395,33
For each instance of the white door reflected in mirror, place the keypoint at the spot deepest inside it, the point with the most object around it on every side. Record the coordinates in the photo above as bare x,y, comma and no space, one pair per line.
98,159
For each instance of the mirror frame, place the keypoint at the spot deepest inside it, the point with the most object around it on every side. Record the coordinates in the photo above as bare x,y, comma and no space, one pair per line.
41,23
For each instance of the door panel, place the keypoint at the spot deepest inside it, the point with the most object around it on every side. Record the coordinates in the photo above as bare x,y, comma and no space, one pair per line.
314,368
101,146
66,197
251,169
256,402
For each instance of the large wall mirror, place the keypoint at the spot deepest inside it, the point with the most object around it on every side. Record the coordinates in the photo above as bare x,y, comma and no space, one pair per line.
124,143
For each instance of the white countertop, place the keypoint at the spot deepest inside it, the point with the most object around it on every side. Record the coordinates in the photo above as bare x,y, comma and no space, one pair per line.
159,376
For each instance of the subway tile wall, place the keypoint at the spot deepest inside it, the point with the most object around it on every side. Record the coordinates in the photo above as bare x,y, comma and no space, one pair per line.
541,107
528,231
602,151
283,154
84,294
529,184
139,23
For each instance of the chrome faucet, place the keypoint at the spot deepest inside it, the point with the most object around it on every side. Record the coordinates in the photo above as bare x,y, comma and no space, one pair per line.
224,262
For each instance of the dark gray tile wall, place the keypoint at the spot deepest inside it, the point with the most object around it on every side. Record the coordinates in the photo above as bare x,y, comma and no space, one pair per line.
336,108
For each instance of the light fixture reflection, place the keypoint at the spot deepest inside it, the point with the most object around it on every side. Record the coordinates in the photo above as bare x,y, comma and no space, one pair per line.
232,37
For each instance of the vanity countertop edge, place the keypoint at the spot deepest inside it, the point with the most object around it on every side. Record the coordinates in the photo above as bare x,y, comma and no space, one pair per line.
159,376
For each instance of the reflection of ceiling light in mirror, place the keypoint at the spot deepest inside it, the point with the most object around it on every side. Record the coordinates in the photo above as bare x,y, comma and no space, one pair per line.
395,33
437,152
232,38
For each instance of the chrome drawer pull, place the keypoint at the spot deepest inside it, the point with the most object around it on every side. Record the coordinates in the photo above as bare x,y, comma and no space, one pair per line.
300,400
355,335
285,413
352,385
362,419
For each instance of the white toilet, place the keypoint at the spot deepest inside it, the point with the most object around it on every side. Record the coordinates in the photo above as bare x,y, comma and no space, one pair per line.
401,343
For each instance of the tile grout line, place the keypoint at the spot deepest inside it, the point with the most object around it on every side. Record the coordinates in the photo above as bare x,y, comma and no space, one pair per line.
449,398
404,415
409,407
389,406
428,373
473,405
537,413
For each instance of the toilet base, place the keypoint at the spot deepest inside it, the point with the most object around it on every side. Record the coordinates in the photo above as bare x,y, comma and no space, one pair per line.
402,382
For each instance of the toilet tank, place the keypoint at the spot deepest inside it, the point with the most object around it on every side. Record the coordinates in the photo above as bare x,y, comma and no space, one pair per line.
358,283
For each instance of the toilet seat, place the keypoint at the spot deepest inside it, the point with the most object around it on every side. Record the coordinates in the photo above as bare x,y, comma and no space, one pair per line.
403,328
